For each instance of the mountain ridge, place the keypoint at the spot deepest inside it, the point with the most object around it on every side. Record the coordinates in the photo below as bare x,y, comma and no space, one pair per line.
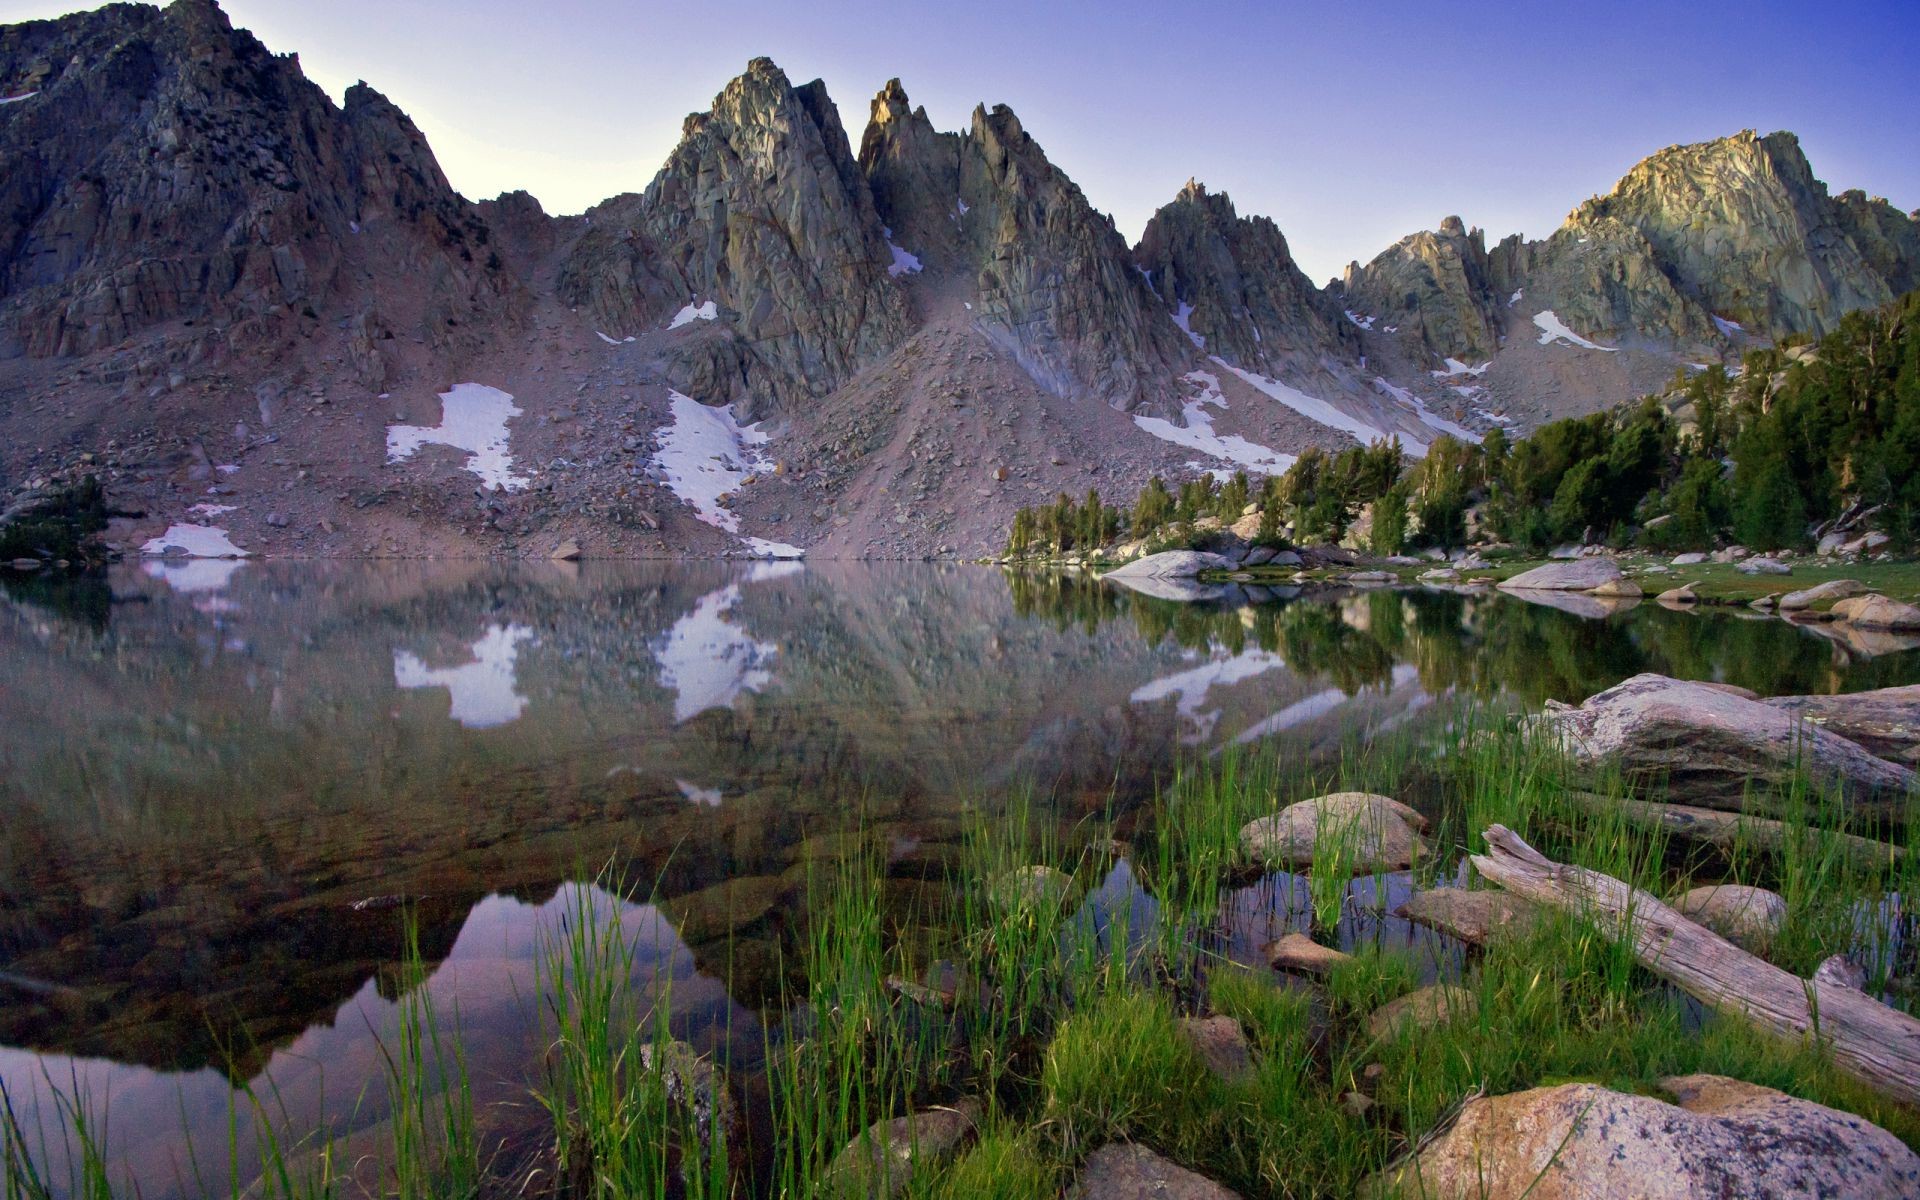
205,264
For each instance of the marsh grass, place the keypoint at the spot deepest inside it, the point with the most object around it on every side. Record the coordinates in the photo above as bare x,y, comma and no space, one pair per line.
1066,1024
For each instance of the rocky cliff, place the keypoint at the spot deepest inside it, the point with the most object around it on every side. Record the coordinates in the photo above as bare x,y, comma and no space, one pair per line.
159,165
1234,286
1435,286
761,211
1053,282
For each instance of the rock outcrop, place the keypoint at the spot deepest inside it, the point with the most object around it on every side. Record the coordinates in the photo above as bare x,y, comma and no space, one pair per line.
1716,749
1053,281
1720,1137
762,211
1233,286
159,165
1587,574
1436,285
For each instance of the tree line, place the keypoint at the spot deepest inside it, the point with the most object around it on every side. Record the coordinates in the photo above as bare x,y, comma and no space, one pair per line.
1800,435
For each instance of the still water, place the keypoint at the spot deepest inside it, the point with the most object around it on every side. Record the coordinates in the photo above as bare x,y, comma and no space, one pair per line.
219,781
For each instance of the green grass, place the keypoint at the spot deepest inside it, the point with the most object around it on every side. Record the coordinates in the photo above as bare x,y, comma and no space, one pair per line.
1068,1043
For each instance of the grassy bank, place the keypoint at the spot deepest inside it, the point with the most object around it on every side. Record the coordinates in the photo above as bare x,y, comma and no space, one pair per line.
1048,986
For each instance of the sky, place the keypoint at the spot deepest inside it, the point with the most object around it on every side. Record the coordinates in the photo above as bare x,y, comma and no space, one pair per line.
1350,124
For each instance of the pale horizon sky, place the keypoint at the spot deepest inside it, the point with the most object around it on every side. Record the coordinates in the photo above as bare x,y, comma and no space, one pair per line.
1350,125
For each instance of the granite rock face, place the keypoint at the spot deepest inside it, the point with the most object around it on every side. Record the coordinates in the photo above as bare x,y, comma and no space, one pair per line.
1053,282
1434,285
761,210
1234,283
157,164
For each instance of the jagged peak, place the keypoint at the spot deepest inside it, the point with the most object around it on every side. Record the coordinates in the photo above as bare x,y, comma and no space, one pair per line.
199,14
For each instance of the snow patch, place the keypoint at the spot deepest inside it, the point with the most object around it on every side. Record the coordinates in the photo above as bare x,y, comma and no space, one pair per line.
1182,317
1429,418
1515,298
19,98
612,341
903,263
692,312
473,417
1362,322
1456,367
705,454
196,541
482,691
1727,328
961,205
1190,688
762,548
708,661
695,794
210,510
1196,431
1311,407
1552,329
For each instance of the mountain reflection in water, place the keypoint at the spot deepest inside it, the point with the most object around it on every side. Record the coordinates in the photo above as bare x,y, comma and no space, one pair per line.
205,772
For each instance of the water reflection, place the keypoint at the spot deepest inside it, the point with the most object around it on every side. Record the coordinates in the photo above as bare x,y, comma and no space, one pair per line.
202,773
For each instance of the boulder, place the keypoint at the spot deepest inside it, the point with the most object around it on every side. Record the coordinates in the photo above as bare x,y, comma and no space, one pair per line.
1474,917
1617,589
1030,887
1682,596
567,551
1439,1004
1371,577
1711,745
1874,611
694,1084
1259,556
1172,564
1284,558
1764,566
1749,917
1832,589
1298,952
1690,559
1370,832
1885,721
1577,575
883,1160
1221,1044
1125,1171
1719,1138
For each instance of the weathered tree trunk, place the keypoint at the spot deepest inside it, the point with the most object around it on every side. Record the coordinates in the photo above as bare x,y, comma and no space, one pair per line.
1725,829
1876,1044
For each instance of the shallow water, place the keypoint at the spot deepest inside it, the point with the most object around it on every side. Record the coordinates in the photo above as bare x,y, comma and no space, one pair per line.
216,784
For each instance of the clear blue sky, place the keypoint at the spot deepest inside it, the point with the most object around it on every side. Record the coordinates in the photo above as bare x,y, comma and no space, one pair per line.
1350,124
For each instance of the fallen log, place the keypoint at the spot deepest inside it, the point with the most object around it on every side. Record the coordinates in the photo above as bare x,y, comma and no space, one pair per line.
1725,830
1878,1045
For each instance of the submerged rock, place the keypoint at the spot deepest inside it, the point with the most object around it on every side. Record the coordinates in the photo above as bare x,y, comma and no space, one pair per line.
1832,589
1749,917
1298,952
882,1161
1473,917
1124,1171
1440,1004
1720,1138
1370,832
1713,747
1575,575
1030,887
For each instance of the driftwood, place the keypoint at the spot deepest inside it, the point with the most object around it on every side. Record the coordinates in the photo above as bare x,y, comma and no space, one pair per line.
1876,1044
1725,830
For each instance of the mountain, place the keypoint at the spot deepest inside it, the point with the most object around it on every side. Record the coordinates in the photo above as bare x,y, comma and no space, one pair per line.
246,307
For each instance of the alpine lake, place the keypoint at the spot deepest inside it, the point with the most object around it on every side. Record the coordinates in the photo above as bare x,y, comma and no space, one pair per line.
251,813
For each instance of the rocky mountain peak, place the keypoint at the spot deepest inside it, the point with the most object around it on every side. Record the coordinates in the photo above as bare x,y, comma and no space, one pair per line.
761,209
1435,285
1232,285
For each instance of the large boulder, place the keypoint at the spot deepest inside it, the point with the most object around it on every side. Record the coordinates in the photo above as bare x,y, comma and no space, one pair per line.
1576,575
1885,721
1714,747
1371,833
1425,1008
1124,1171
1172,564
1832,589
1877,612
1747,916
1720,1138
